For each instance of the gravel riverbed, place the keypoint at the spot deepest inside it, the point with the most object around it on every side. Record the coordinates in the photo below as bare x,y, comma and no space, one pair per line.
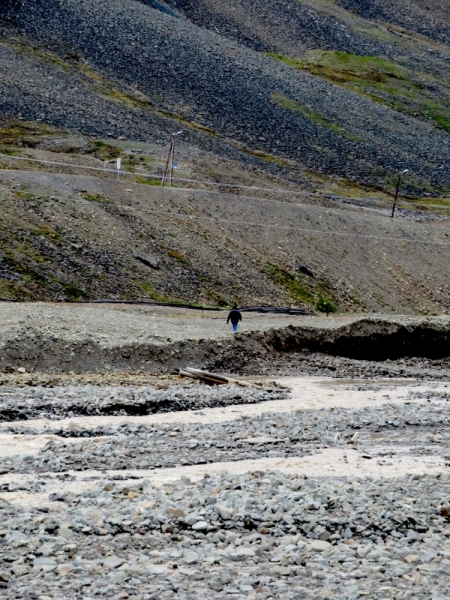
345,496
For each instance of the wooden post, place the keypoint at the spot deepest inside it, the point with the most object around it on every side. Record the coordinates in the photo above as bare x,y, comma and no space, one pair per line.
167,162
173,161
397,190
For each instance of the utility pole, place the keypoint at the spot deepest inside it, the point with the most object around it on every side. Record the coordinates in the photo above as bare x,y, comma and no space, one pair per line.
397,190
170,160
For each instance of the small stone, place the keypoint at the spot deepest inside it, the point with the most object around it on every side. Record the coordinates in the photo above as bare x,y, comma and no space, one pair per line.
21,570
216,585
191,558
412,558
66,533
362,551
223,511
113,562
319,545
200,525
175,512
147,259
242,553
21,370
64,569
44,561
192,519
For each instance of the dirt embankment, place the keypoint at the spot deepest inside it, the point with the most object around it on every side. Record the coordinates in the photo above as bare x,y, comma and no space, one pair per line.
39,337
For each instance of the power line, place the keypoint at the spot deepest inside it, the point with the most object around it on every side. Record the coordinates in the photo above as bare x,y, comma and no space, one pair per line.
243,223
156,176
198,181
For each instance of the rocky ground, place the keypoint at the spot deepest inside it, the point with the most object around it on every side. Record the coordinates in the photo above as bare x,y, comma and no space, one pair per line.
212,248
304,487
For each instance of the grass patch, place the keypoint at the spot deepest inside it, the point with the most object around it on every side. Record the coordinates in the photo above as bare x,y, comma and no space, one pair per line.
73,292
311,114
265,156
303,292
177,256
147,181
100,198
385,82
149,290
219,300
46,231
25,262
24,134
102,150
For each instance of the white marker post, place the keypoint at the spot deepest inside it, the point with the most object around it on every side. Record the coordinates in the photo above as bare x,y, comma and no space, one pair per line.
119,164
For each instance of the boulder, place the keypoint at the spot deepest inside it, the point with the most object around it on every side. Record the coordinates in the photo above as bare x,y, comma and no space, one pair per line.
147,259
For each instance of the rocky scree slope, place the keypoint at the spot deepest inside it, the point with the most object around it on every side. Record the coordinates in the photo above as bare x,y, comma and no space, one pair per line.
428,17
175,61
72,237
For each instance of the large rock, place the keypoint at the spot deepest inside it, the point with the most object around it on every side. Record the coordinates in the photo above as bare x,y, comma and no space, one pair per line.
147,259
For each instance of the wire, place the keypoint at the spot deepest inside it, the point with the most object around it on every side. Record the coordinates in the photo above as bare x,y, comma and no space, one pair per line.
155,176
244,223
211,183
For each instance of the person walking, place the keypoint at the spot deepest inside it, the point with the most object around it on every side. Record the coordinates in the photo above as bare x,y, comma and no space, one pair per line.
234,316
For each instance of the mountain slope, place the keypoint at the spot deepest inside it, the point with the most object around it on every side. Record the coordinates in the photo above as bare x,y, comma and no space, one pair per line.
179,58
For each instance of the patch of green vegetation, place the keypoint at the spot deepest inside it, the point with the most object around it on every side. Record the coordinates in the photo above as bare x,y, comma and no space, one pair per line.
219,300
7,289
177,256
9,151
46,231
73,292
312,114
96,198
265,156
24,134
303,292
149,289
103,150
383,81
14,290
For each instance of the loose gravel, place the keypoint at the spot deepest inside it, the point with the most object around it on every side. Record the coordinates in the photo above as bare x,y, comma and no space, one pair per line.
71,401
337,502
260,535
